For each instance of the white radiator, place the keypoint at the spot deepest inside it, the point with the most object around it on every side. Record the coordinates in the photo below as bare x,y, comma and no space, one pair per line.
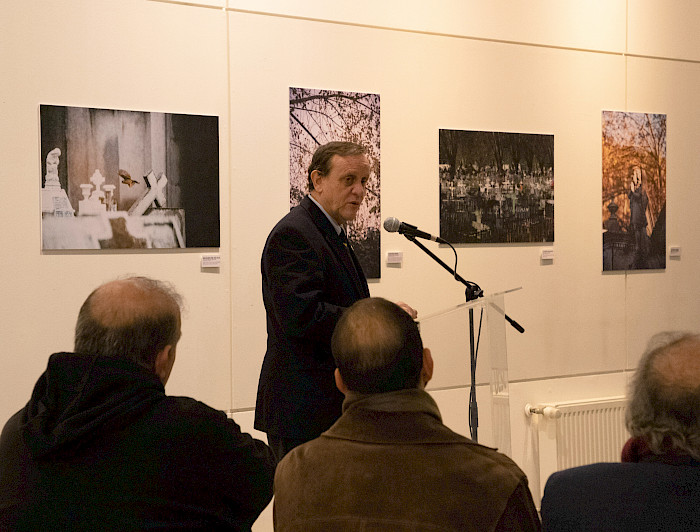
571,434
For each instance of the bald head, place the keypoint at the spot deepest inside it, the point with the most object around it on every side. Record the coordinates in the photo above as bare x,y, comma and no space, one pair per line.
377,347
133,318
664,402
122,302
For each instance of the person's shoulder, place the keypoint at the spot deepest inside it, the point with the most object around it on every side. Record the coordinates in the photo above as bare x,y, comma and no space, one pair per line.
301,228
201,422
650,472
299,219
303,456
489,458
496,457
573,478
304,461
12,428
468,445
594,470
186,410
584,494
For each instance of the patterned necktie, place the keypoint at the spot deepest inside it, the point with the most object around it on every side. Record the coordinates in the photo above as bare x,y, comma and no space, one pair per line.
353,264
348,251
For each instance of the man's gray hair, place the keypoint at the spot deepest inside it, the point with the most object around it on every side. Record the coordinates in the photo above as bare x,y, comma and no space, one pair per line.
664,398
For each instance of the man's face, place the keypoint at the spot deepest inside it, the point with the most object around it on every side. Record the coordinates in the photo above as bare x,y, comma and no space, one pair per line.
342,190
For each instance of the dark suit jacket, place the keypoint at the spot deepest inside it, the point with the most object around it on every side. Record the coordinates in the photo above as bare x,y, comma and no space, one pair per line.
618,497
308,279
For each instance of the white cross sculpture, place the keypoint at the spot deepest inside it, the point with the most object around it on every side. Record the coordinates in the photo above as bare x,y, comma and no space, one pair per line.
154,194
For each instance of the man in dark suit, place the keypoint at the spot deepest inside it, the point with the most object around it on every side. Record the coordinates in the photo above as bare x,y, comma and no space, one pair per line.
310,275
657,485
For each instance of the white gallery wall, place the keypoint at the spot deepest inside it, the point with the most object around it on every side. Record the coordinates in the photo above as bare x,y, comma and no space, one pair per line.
547,66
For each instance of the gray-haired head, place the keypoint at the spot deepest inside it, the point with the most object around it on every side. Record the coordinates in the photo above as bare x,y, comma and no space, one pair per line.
664,398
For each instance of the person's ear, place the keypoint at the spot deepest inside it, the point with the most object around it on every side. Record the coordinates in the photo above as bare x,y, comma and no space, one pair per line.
426,372
317,180
164,363
339,382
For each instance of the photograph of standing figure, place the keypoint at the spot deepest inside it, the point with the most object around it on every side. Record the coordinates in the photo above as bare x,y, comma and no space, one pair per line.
634,191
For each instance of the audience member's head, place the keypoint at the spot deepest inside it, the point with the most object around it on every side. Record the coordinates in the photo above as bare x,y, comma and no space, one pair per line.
664,404
136,318
377,348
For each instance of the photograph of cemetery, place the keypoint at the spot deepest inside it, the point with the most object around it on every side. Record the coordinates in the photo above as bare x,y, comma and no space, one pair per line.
114,179
496,187
634,191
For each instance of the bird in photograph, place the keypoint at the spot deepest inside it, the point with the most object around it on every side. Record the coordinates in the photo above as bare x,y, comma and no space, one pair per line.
126,178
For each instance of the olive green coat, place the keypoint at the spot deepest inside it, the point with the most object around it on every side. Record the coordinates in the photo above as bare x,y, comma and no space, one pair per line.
389,464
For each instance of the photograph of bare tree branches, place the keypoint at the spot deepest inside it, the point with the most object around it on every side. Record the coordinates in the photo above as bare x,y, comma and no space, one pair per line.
496,187
320,116
634,191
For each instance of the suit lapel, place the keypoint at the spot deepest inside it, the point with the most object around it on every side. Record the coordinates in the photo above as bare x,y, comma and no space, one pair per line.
359,274
344,254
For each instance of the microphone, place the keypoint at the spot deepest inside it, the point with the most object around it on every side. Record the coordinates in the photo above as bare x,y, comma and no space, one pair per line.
393,225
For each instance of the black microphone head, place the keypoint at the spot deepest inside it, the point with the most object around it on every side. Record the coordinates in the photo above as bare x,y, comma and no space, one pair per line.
392,224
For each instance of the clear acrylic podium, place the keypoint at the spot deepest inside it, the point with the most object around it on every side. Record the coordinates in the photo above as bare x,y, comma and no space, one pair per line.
447,335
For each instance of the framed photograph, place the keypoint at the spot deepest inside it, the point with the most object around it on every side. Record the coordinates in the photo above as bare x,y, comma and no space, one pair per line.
634,191
317,117
495,187
114,179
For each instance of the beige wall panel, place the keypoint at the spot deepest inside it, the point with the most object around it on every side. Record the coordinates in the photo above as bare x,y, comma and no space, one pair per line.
669,299
122,55
593,25
202,3
567,307
574,316
664,29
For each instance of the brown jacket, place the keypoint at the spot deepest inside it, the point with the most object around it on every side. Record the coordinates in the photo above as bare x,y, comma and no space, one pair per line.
389,464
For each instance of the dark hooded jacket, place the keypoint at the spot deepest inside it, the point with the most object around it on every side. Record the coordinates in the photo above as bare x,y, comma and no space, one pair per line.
99,446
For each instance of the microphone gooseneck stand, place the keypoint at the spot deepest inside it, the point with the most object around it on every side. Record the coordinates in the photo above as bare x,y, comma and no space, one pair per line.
472,292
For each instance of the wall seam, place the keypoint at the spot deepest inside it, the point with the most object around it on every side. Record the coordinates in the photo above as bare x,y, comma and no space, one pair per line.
229,125
625,53
627,24
627,273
